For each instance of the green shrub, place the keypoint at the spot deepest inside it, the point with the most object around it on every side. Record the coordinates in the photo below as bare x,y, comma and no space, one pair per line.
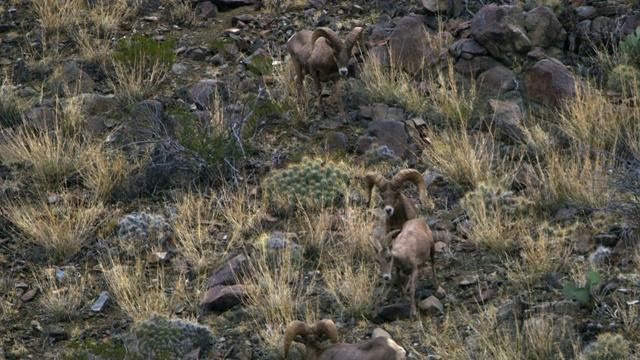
583,295
159,337
624,79
310,184
630,47
608,347
140,49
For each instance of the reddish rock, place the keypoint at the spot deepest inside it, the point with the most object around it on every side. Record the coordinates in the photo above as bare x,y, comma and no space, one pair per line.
549,83
228,273
223,297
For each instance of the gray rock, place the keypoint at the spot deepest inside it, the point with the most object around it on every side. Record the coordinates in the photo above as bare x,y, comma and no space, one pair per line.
431,305
99,304
335,142
543,28
506,117
500,29
380,332
392,134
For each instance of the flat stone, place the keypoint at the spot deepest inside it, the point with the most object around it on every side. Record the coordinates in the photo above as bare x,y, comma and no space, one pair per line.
431,305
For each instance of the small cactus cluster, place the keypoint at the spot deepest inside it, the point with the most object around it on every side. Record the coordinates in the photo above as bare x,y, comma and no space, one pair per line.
311,183
161,338
624,79
141,225
608,346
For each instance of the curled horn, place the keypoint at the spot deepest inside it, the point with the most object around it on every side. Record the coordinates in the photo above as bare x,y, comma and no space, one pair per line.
373,179
387,239
410,175
352,37
327,327
294,329
328,34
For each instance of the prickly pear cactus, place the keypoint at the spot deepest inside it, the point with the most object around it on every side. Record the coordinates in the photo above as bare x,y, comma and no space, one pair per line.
630,47
608,347
161,338
310,184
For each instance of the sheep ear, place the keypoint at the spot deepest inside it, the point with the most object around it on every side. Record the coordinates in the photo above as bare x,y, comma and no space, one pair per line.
353,37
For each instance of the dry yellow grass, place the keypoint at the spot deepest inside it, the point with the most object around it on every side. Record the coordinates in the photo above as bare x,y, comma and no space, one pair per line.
195,227
61,228
277,295
62,299
140,291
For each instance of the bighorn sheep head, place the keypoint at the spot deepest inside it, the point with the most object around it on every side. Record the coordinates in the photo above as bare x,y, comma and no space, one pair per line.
341,48
390,189
309,335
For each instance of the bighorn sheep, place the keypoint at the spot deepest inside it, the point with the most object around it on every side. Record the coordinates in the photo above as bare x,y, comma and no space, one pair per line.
313,336
397,207
324,56
407,254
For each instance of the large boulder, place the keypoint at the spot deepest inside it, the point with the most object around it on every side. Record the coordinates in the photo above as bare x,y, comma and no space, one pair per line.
410,47
543,28
391,134
548,82
500,29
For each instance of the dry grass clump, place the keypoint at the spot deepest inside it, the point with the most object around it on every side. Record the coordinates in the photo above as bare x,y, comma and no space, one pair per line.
573,180
282,91
465,159
352,287
62,298
52,159
392,85
195,227
592,121
241,211
497,218
141,291
61,228
278,293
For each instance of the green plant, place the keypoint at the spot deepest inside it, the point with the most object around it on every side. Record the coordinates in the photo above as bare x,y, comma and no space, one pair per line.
630,47
88,349
311,184
624,78
159,337
140,49
583,295
608,346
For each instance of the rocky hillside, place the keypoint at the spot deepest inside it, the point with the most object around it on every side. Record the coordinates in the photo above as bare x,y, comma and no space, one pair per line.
165,192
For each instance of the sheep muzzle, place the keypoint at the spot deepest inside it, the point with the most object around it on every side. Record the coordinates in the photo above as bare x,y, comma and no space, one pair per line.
388,210
343,71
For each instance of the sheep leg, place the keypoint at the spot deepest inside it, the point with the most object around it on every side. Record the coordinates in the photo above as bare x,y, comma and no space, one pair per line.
316,81
433,267
413,281
337,90
299,81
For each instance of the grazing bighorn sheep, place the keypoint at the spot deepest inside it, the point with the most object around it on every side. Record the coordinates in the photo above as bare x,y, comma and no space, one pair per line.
313,336
397,207
407,254
324,56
